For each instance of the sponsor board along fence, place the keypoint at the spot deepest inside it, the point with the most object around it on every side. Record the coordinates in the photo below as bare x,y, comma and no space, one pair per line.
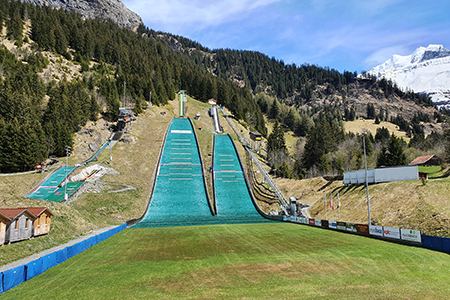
15,276
400,235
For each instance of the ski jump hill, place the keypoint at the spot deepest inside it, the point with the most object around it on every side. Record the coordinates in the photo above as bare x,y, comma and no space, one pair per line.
180,196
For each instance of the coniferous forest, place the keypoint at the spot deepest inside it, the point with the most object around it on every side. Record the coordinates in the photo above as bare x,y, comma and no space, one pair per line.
39,117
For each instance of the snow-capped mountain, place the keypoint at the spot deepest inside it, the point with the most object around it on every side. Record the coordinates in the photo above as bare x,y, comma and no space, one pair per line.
426,70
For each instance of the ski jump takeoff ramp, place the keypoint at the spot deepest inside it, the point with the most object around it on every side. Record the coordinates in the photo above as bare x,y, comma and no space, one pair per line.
180,196
233,200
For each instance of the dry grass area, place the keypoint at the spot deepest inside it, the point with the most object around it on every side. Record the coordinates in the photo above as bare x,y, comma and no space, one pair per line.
360,125
406,204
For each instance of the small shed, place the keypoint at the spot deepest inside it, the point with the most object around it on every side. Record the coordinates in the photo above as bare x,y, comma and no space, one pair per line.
255,136
426,161
4,220
43,220
20,226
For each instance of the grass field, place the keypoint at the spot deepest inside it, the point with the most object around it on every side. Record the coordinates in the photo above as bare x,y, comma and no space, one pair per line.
258,261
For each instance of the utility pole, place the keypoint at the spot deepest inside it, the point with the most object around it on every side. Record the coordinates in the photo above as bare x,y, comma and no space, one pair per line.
365,167
124,99
275,192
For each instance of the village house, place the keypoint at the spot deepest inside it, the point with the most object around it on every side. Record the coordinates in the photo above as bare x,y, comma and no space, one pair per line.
20,226
426,161
42,222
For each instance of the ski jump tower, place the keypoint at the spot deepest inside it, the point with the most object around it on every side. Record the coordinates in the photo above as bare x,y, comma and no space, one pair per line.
183,98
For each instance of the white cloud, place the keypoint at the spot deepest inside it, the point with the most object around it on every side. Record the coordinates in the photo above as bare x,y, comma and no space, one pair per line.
381,55
177,14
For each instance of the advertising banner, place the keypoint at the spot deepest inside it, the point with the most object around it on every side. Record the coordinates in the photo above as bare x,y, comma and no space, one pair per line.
292,218
341,225
284,218
325,223
351,227
411,235
318,223
376,230
393,233
311,222
299,220
362,228
332,224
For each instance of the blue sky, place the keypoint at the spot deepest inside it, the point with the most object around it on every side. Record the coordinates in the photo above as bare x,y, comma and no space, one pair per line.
352,35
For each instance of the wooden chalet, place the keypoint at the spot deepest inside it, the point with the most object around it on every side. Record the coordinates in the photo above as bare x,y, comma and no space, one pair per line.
20,226
4,220
43,220
426,161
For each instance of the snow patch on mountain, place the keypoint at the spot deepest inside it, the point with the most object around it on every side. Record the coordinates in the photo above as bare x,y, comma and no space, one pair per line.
426,70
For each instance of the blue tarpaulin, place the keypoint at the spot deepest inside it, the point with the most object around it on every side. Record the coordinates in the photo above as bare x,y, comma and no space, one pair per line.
34,268
432,242
13,277
90,242
446,244
49,261
73,250
61,255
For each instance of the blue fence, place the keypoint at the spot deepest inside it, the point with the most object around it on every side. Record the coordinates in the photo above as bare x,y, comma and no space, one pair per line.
13,277
436,243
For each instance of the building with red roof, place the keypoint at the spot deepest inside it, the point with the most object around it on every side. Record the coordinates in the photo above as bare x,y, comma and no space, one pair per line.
426,161
18,224
43,220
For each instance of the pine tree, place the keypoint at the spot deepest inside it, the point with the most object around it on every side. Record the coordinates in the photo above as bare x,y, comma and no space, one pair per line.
396,155
276,140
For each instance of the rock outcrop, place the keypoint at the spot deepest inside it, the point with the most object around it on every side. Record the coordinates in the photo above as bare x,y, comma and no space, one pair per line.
113,10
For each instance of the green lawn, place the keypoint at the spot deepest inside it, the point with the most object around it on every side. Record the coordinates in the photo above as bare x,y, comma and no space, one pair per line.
429,170
257,261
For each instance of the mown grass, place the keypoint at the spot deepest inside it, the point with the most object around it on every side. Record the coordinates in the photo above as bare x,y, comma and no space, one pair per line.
429,170
257,261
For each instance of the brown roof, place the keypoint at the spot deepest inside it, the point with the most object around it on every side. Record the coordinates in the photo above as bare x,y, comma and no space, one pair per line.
421,160
12,213
37,211
4,217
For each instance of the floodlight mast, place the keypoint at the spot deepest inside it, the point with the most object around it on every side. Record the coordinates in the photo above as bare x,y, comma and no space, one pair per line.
65,184
363,134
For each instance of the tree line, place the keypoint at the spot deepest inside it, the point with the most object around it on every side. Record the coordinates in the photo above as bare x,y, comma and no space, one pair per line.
38,119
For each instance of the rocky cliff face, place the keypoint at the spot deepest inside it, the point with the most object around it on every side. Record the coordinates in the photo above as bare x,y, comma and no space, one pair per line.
114,10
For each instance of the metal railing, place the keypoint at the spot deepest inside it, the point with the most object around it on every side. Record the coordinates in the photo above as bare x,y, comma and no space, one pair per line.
267,178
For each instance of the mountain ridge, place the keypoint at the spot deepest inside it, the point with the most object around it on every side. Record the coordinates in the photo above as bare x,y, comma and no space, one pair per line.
114,10
425,71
